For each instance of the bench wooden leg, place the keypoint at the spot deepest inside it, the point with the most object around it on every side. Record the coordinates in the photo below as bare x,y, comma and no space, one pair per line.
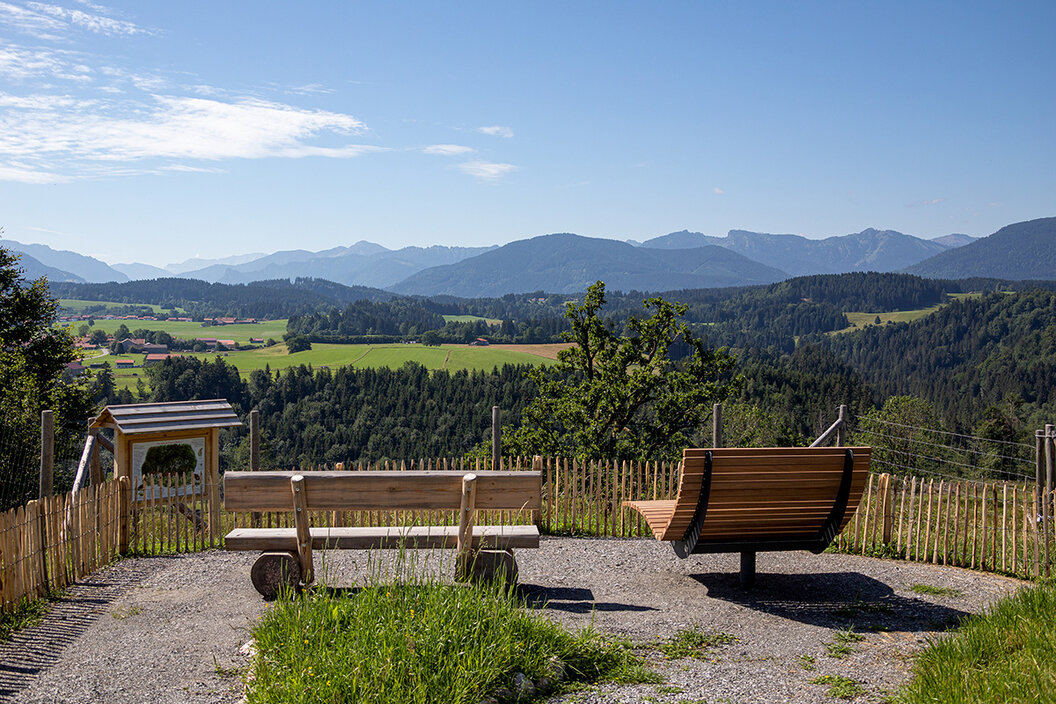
747,570
486,566
274,572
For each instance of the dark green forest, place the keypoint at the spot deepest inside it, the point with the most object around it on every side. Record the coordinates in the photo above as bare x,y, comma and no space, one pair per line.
311,416
966,356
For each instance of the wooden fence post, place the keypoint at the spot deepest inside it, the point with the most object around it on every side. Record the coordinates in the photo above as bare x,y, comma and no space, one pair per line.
254,456
1039,468
716,425
47,454
496,437
124,510
888,507
841,431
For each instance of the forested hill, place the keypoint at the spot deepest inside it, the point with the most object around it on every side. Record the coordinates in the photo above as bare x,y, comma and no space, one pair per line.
966,356
567,263
1025,250
261,299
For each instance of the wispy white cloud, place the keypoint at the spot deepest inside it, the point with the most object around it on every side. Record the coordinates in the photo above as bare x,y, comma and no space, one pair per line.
486,170
925,203
98,23
306,89
447,149
718,191
496,131
183,168
54,22
46,138
21,173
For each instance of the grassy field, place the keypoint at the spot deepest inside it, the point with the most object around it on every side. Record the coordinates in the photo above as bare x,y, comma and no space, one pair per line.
860,320
76,306
470,318
393,356
190,330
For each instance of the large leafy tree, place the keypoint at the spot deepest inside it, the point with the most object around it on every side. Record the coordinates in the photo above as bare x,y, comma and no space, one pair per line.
621,394
33,357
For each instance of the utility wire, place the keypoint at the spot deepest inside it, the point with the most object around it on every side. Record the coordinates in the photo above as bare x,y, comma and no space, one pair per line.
943,432
934,444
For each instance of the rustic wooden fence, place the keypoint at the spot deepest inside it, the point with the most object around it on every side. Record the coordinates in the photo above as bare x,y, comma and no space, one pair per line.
998,527
1003,527
51,542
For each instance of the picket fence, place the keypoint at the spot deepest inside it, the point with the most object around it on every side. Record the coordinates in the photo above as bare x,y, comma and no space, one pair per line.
52,542
47,544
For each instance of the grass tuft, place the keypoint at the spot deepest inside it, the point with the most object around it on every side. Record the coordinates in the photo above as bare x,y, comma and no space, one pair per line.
420,641
840,687
931,590
1003,655
693,642
27,612
841,645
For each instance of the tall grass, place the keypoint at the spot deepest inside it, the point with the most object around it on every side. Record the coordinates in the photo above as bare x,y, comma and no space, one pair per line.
1007,654
416,639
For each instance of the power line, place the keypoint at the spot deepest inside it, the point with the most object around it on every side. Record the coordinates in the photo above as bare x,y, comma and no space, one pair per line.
934,444
931,472
951,462
943,432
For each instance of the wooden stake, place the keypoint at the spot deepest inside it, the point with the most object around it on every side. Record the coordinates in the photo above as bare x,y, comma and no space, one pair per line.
957,554
301,524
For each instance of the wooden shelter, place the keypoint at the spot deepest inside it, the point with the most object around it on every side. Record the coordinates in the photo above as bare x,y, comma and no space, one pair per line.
170,423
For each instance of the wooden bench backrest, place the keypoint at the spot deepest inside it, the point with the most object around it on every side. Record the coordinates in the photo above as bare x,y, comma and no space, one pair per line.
381,491
761,493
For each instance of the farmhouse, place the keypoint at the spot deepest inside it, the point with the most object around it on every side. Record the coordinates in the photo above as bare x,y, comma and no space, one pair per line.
158,357
125,363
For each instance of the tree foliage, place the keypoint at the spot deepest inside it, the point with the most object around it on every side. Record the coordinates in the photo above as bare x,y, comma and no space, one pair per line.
33,358
623,396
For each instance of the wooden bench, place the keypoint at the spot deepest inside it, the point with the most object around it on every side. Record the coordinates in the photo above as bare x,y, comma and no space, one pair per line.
483,550
748,500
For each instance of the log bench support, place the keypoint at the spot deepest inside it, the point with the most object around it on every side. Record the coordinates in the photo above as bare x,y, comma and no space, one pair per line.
482,552
751,500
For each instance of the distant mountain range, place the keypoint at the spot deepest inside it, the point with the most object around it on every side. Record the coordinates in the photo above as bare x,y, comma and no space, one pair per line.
868,250
568,263
1024,250
74,267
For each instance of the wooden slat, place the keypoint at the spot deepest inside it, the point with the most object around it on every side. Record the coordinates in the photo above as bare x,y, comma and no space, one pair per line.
385,491
358,538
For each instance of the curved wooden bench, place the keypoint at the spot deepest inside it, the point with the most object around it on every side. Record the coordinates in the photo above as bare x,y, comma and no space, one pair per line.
749,500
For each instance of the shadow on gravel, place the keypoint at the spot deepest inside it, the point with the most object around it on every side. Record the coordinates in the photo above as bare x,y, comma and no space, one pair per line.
833,600
571,599
36,648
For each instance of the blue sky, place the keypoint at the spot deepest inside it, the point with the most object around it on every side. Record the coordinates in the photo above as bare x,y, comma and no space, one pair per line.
156,132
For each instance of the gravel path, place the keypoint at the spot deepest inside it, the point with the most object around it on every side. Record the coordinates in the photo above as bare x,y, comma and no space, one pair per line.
170,629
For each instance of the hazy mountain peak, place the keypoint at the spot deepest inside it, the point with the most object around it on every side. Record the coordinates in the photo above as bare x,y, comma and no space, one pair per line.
79,265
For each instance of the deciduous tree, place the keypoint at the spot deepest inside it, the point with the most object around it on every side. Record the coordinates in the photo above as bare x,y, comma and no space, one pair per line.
621,394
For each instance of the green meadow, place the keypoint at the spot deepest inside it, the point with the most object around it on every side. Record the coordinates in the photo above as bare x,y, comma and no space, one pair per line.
470,319
76,306
190,330
393,356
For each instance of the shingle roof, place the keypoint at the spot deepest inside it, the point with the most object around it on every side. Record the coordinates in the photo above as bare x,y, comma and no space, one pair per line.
139,418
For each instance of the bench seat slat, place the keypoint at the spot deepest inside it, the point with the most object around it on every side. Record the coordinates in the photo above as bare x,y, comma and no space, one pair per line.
369,538
382,491
755,492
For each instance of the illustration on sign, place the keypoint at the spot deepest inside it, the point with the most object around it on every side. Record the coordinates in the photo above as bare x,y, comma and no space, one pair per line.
182,457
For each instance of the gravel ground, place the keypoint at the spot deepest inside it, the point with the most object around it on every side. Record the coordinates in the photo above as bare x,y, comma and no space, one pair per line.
171,629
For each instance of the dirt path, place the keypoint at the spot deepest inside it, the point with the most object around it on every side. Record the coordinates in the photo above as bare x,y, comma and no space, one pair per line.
170,629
